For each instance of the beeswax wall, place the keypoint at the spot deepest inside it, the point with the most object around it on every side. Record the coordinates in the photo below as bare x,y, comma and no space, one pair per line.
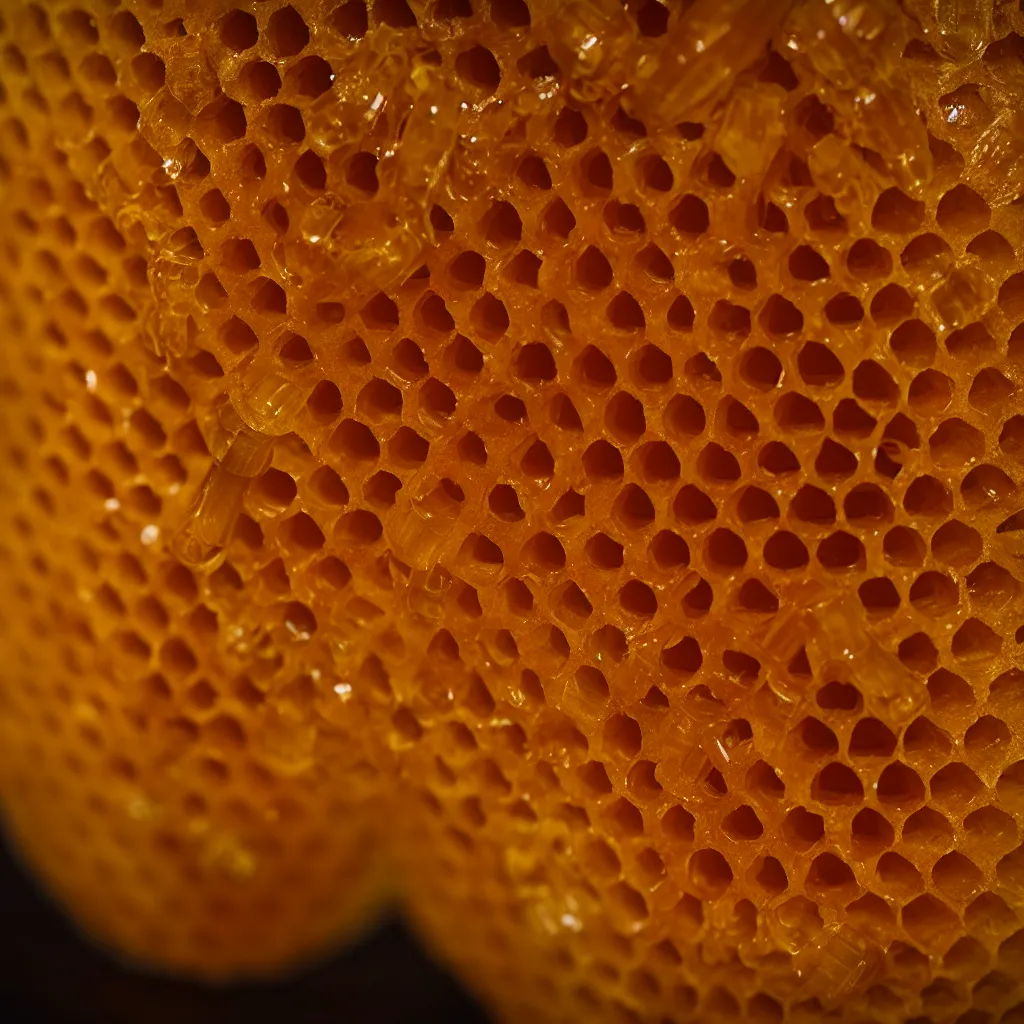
556,464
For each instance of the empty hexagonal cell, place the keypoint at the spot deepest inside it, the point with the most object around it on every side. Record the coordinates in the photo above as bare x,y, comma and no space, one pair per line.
725,551
812,505
328,486
896,213
949,692
570,605
962,211
831,879
976,641
957,877
929,922
659,463
768,874
693,506
623,820
535,365
777,459
380,489
989,915
642,781
603,552
872,738
806,264
986,484
684,417
785,551
742,824
480,555
956,443
717,465
355,441
918,653
504,503
879,596
1010,787
763,782
991,586
870,832
839,696
593,271
990,390
991,829
924,740
638,599
359,527
803,828
633,509
756,504
967,957
851,420
678,824
813,739
913,343
900,787
544,553
625,314
602,461
955,786
594,778
934,594
988,741
710,873
623,736
841,552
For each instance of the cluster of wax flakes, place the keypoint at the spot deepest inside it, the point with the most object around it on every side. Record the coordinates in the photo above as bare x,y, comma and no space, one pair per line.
599,507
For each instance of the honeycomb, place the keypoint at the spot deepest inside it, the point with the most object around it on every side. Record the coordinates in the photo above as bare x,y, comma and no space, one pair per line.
556,465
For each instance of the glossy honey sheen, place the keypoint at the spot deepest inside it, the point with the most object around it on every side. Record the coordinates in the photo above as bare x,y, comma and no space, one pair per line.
554,464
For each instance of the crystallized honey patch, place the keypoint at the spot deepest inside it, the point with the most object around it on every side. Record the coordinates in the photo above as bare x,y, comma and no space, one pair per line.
557,464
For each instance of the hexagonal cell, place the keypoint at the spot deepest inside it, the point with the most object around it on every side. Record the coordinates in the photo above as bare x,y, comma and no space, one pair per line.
831,879
710,873
956,877
988,741
955,786
929,921
872,738
742,824
838,784
870,832
900,786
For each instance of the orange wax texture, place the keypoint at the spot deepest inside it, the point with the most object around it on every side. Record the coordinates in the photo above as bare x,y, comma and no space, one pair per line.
554,464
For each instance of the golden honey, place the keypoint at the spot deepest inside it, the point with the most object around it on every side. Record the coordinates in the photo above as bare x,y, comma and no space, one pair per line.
554,465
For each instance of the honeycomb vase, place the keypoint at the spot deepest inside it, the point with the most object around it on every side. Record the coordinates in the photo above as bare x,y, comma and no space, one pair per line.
553,465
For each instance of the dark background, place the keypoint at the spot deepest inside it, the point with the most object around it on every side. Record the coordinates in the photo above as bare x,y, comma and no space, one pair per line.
49,974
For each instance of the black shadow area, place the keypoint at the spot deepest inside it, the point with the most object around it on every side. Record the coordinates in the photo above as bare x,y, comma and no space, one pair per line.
50,975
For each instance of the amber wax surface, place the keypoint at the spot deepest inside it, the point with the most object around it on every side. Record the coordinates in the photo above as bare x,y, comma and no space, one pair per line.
555,465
